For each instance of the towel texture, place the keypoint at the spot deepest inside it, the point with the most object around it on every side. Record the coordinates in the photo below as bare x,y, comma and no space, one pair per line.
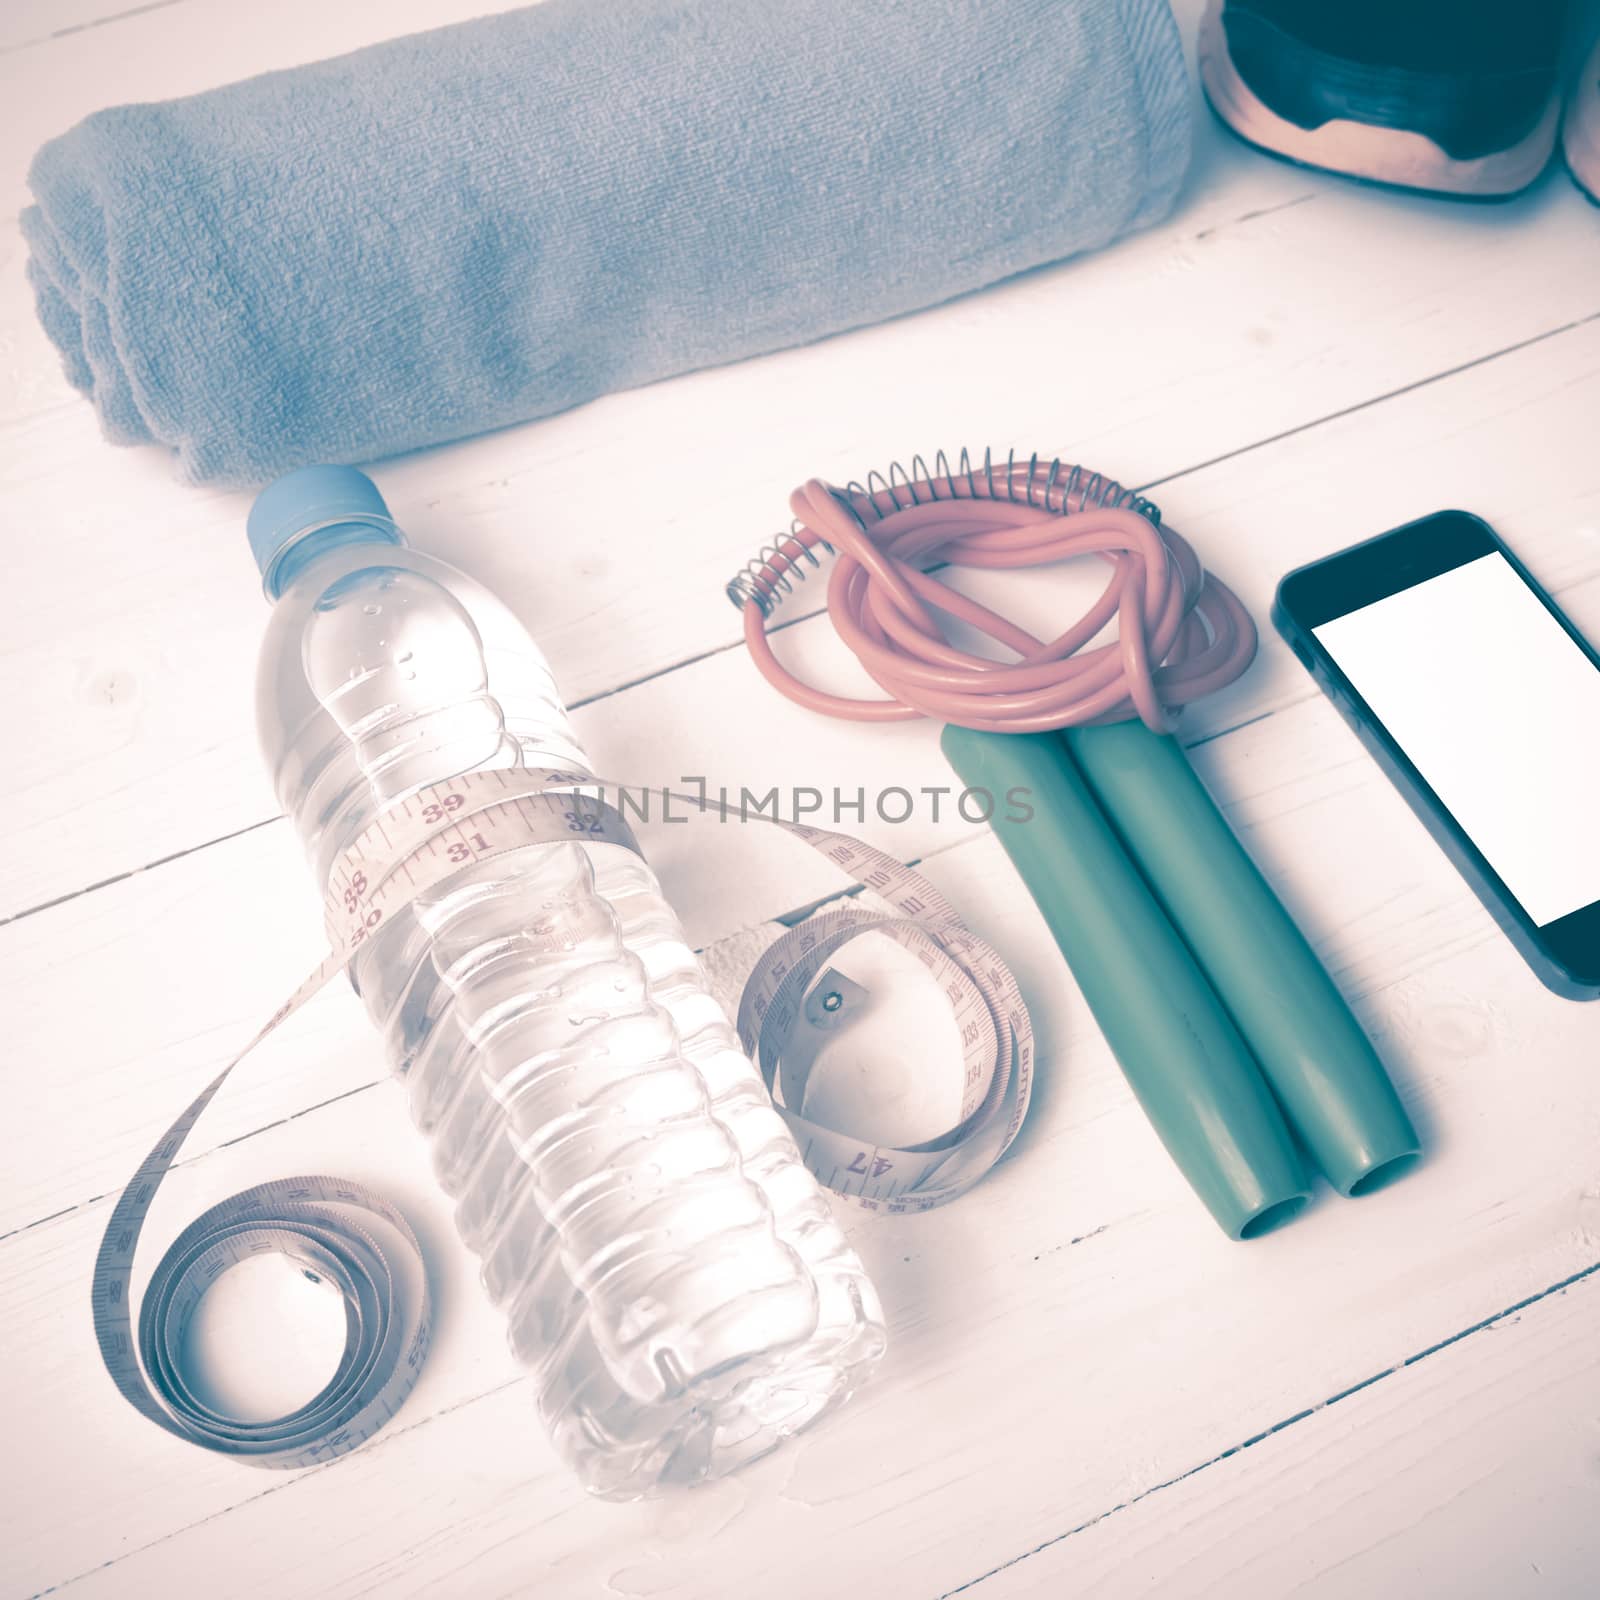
490,222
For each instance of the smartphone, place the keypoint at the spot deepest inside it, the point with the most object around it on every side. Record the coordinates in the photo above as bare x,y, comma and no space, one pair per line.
1482,703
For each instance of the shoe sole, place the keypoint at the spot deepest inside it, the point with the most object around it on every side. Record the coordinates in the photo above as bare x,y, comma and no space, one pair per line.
1580,133
1395,157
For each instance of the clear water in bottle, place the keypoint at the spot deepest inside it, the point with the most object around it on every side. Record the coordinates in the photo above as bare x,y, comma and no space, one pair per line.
670,1272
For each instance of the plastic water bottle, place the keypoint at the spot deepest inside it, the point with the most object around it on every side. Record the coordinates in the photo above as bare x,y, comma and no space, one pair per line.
670,1271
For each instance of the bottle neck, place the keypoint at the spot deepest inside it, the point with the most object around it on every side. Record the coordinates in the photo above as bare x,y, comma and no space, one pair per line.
315,543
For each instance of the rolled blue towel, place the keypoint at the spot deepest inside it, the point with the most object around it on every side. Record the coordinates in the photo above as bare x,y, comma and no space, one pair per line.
493,221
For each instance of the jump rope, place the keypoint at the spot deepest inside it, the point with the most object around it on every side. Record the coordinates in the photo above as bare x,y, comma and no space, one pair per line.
1180,634
1226,1024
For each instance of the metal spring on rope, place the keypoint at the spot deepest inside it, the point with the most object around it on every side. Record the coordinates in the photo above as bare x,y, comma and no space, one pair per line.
773,571
1055,486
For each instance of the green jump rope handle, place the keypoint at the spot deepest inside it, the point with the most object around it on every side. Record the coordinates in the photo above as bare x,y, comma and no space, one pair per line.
1177,1046
1325,1073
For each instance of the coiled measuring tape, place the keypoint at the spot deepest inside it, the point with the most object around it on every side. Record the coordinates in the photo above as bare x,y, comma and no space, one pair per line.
341,1234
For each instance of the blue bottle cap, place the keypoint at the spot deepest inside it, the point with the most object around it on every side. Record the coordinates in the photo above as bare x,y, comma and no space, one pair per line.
313,500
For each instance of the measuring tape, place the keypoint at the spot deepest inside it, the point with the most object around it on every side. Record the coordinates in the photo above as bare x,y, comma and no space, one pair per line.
342,1235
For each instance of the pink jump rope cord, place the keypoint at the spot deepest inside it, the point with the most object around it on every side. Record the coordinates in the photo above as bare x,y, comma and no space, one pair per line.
1180,633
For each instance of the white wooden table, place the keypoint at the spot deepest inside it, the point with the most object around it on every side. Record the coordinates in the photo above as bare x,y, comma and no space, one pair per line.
1089,1390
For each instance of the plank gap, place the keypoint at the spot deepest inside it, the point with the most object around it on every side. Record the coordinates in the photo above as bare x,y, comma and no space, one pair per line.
1559,1287
84,27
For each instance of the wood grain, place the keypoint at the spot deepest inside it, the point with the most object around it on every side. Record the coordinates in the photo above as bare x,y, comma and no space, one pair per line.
1469,1471
233,926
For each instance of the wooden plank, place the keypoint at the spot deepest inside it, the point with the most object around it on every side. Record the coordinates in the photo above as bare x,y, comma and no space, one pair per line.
1496,1215
1171,349
1390,905
1072,1335
134,741
219,935
36,24
1468,1472
130,1067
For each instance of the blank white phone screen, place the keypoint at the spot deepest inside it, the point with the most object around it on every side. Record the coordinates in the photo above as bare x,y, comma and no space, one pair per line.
1499,711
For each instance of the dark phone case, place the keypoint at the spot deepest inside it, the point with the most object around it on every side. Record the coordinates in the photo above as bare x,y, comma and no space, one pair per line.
1469,861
